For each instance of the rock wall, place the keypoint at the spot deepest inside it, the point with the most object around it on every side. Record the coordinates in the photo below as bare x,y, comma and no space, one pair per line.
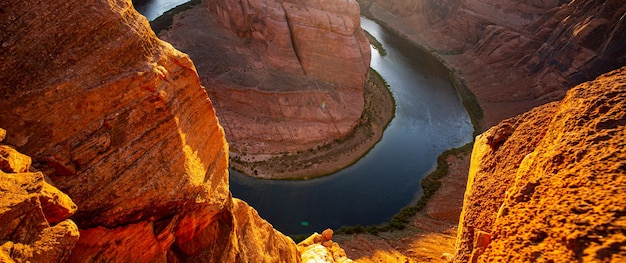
284,76
320,38
544,47
549,185
117,120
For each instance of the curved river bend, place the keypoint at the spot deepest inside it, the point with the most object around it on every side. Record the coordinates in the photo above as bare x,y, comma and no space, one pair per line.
429,120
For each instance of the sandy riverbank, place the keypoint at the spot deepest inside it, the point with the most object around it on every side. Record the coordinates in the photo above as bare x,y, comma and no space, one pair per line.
326,159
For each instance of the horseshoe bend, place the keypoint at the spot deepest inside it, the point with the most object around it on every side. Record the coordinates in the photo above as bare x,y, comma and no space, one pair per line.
115,145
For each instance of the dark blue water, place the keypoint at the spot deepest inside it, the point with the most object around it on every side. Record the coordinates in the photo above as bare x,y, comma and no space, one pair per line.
152,9
429,119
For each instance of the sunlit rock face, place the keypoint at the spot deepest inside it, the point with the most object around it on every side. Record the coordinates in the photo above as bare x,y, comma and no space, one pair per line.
320,248
117,120
284,75
549,185
543,47
34,224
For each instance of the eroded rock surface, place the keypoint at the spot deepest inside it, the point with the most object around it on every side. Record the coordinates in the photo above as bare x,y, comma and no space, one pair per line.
550,184
117,120
514,55
320,248
321,38
34,224
285,76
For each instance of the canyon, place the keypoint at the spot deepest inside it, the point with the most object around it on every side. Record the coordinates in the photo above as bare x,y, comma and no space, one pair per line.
112,150
285,77
513,55
544,47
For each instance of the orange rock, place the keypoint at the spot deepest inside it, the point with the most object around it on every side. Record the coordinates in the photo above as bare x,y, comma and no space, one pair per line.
233,233
56,205
499,151
317,248
11,161
560,169
327,234
132,243
118,120
130,155
31,231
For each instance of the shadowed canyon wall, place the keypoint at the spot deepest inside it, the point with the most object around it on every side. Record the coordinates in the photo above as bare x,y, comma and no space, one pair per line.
549,185
117,119
284,76
543,47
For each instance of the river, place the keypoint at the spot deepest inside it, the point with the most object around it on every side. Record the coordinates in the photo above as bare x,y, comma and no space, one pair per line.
429,119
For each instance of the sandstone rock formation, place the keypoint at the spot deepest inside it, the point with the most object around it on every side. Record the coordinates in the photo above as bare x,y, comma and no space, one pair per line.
549,185
544,47
117,119
34,224
321,38
284,76
321,248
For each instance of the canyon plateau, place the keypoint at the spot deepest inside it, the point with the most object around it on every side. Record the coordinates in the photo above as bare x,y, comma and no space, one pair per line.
112,150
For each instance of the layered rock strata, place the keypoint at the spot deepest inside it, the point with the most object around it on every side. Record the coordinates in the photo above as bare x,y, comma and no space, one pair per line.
117,119
285,76
549,185
321,39
544,47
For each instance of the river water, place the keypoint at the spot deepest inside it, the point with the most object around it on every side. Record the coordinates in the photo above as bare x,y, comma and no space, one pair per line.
429,119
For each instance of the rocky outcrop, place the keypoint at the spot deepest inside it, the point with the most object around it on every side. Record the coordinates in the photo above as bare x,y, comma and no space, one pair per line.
544,47
549,185
285,76
33,214
321,248
117,120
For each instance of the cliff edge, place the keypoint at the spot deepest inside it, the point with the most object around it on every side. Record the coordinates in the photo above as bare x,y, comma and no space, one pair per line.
116,119
549,185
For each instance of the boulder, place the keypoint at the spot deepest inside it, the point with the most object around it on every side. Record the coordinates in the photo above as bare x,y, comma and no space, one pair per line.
32,228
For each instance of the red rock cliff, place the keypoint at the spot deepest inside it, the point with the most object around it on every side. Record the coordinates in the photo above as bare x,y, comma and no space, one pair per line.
285,76
544,47
117,119
320,38
550,185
